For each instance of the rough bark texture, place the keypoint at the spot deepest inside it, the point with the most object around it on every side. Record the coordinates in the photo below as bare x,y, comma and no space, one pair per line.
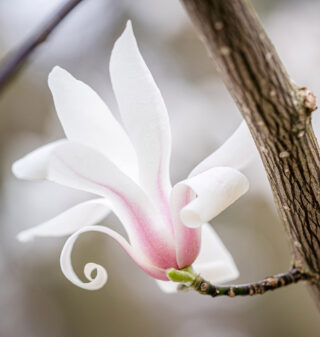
278,114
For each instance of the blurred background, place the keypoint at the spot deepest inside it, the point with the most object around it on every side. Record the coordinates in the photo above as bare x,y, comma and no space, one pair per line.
35,298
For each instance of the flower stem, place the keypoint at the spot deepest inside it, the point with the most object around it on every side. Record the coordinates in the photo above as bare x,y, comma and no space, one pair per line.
294,275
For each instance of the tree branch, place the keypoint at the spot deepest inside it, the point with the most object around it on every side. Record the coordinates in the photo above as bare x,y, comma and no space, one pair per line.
249,289
13,62
278,114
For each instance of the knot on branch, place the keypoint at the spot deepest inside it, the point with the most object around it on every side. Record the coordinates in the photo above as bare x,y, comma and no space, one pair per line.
308,99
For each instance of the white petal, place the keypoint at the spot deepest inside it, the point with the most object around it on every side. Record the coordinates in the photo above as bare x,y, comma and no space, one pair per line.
216,189
85,214
168,287
214,262
35,164
236,152
144,114
101,274
80,167
86,119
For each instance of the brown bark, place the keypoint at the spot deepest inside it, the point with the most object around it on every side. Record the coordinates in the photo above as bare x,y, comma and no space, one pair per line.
249,289
278,114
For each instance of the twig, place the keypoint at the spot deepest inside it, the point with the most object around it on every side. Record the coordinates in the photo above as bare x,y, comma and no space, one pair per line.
13,62
249,289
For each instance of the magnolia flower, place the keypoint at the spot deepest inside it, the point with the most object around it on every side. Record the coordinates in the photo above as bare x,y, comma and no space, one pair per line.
129,170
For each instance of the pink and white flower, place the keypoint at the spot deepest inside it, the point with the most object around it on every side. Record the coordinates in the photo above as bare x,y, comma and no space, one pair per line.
128,168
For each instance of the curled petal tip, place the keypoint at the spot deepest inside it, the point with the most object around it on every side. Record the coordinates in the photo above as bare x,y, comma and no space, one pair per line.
99,280
190,218
95,283
216,189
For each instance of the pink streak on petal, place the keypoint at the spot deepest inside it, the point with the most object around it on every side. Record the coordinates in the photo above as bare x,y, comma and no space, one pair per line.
151,270
146,238
188,240
158,251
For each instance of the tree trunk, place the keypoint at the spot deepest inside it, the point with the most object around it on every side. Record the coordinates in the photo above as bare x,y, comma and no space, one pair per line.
278,113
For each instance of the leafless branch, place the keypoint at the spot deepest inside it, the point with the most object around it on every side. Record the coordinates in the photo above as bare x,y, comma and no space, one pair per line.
14,60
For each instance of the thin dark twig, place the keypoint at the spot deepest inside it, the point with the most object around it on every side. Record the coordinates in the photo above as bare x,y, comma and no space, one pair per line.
204,287
14,60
